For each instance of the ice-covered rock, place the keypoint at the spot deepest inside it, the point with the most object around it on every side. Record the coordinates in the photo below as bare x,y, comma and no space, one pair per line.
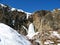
9,36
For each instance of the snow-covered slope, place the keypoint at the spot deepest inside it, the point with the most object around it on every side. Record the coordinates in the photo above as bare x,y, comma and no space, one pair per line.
9,36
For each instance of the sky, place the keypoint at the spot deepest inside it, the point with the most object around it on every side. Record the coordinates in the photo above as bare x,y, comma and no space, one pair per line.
32,5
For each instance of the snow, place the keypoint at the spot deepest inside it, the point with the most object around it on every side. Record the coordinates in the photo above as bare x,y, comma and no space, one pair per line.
25,28
13,9
13,22
9,36
3,5
28,14
55,33
38,41
48,42
58,8
58,43
20,10
55,9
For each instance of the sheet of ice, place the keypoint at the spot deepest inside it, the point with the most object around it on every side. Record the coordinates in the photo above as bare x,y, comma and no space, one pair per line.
55,10
31,32
9,36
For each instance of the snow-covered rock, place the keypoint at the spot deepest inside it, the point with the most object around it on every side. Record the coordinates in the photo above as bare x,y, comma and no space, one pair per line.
3,5
55,33
20,10
48,42
28,14
55,9
13,9
9,36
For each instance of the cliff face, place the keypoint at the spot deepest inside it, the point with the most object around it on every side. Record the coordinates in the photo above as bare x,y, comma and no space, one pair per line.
47,20
48,24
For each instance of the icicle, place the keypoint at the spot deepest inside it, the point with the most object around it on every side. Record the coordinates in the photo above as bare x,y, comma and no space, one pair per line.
31,29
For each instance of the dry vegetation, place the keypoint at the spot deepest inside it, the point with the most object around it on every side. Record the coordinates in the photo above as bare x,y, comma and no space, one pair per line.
46,23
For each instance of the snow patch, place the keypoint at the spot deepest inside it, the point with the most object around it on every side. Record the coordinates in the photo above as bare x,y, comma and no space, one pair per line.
9,36
13,9
58,44
28,14
3,5
20,10
58,8
13,21
55,33
48,42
